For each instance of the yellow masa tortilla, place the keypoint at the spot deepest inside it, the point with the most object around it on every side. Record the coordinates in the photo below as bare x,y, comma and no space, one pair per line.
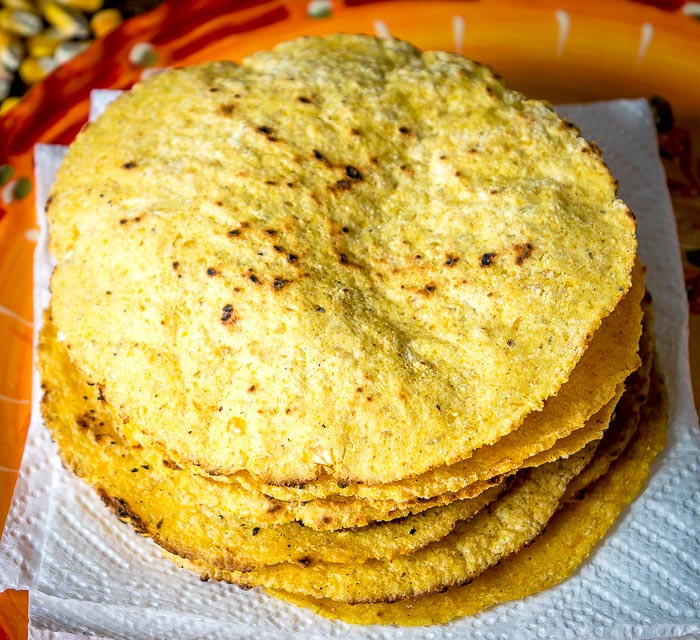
343,247
569,538
194,516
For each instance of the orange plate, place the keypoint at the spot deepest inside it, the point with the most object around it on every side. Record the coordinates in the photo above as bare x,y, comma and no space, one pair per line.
564,51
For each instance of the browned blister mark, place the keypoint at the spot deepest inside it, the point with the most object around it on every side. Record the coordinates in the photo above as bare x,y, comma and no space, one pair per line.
229,315
522,252
487,259
123,511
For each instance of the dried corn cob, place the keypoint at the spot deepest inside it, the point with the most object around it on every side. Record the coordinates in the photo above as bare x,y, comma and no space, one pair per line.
36,36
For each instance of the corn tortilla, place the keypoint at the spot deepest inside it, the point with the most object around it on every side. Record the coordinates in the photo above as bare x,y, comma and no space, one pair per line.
332,243
79,404
494,533
188,513
553,556
610,357
627,414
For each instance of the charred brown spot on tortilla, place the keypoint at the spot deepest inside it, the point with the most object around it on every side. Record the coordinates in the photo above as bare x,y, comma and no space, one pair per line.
227,109
171,465
487,259
129,165
451,261
274,507
229,315
125,221
123,511
353,173
522,252
279,283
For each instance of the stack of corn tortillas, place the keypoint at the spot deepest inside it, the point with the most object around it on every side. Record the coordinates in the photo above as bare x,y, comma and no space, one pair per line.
353,323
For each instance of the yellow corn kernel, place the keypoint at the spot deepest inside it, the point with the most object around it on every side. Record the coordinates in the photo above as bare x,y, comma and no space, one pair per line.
11,51
44,44
67,21
105,21
34,69
19,5
20,23
11,55
7,104
88,6
69,49
143,55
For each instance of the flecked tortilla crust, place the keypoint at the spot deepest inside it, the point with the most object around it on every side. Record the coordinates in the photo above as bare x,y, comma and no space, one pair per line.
332,243
352,512
627,413
554,556
187,513
492,534
80,404
610,357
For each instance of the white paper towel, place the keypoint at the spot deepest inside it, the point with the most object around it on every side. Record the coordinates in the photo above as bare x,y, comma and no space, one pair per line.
88,573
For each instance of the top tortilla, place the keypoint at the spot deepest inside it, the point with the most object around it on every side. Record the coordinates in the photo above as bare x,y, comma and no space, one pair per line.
344,256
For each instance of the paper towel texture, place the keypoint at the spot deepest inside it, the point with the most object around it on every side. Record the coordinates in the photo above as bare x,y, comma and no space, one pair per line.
88,573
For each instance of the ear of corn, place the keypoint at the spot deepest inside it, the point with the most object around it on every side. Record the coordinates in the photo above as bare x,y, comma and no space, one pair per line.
36,36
